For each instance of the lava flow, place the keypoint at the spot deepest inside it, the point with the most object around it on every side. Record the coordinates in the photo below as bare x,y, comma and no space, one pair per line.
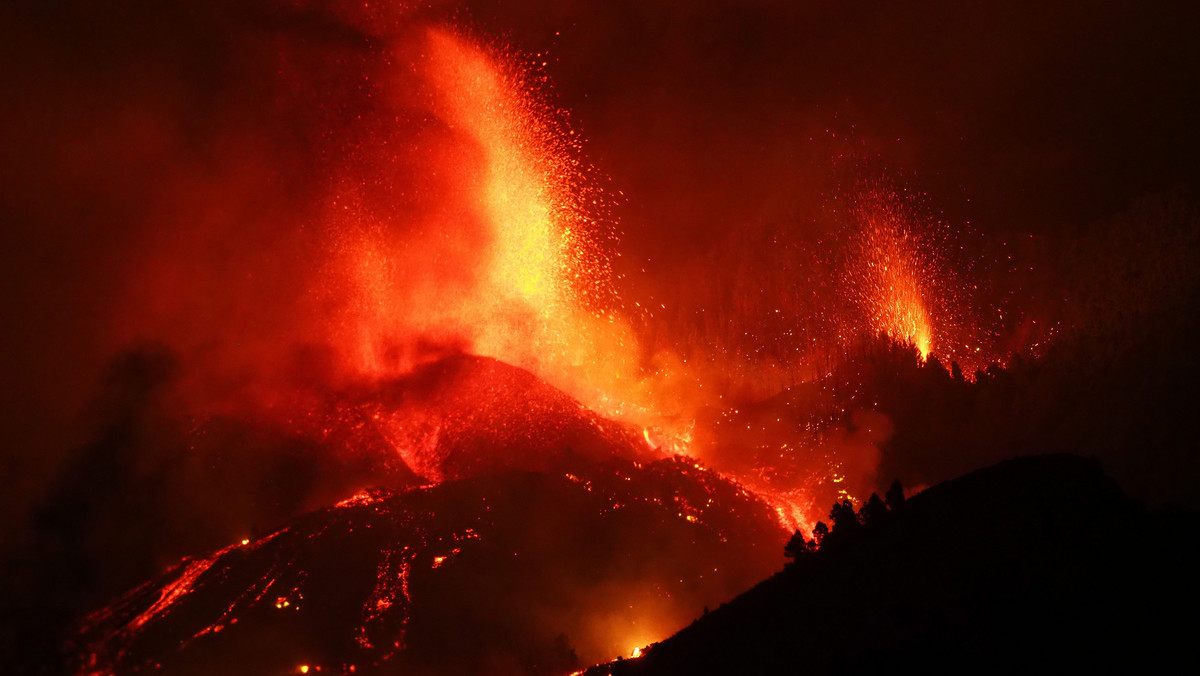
551,543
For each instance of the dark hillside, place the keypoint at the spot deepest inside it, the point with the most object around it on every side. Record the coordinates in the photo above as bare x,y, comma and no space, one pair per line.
1036,564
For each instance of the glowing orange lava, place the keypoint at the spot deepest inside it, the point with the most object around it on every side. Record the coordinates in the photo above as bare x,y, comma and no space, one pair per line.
892,276
509,259
510,263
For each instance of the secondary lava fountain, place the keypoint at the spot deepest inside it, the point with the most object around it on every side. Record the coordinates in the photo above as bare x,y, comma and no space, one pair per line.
891,276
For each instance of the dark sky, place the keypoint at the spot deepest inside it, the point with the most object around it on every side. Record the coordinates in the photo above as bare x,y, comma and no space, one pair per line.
1037,113
1016,116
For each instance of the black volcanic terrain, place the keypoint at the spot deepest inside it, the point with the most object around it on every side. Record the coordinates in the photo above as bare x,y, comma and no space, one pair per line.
1035,565
546,547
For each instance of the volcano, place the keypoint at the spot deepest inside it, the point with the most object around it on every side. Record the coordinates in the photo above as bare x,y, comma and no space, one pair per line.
479,337
464,415
552,539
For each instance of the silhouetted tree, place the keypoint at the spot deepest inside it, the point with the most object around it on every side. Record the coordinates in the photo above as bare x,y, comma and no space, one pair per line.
956,372
798,547
874,511
843,517
895,495
819,532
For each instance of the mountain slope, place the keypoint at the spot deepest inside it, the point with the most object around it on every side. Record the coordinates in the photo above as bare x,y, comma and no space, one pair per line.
1037,564
514,572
